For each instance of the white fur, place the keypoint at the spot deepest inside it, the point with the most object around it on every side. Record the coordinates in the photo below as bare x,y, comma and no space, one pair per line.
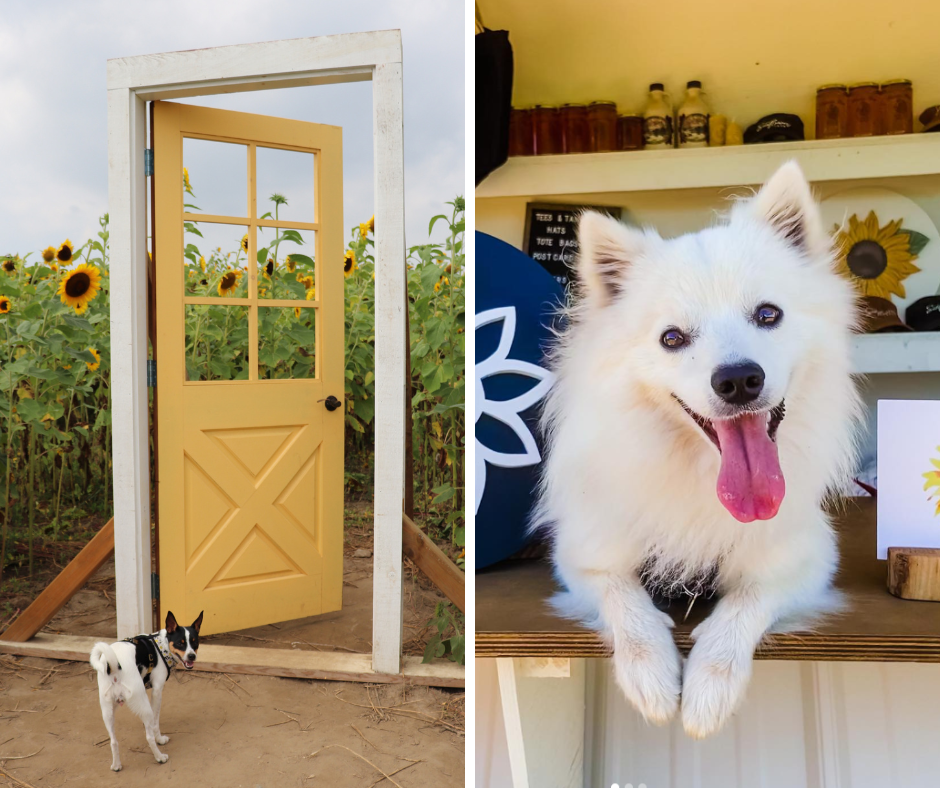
630,479
125,685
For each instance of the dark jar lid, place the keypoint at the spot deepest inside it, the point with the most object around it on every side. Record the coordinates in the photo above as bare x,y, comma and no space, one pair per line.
832,86
601,104
693,84
657,86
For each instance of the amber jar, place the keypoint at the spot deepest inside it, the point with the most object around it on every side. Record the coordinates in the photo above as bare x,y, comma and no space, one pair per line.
630,132
864,110
602,122
897,106
576,137
832,112
520,132
546,130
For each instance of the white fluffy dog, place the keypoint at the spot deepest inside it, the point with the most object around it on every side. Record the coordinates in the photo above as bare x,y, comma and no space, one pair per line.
703,385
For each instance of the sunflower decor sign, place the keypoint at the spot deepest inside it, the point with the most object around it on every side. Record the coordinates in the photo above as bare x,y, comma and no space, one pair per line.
885,244
877,258
908,474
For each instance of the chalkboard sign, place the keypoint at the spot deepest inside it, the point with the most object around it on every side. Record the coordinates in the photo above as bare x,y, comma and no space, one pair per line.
551,236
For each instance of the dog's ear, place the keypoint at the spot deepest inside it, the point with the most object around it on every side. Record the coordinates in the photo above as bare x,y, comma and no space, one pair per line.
607,249
171,624
786,202
198,622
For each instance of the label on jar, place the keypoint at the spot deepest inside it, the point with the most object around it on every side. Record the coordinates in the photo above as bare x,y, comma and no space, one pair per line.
693,129
657,130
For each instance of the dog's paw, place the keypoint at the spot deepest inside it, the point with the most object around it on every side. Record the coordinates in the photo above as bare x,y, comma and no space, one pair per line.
714,686
162,739
115,767
649,674
162,757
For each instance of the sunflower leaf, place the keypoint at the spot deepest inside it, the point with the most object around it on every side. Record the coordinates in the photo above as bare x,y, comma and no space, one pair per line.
77,322
301,259
82,355
434,221
191,228
918,240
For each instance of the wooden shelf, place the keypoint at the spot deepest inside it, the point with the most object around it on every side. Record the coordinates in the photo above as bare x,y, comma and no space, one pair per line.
904,352
701,168
512,619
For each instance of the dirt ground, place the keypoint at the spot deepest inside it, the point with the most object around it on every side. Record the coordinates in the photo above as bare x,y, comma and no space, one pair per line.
237,730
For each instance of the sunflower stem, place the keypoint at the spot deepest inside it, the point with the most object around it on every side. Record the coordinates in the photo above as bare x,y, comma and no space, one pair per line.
32,494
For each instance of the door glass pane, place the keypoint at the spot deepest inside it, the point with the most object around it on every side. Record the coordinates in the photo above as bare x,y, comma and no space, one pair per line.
289,176
287,345
215,177
285,263
216,342
215,260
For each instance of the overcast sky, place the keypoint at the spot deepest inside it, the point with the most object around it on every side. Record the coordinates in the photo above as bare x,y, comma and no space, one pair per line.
53,123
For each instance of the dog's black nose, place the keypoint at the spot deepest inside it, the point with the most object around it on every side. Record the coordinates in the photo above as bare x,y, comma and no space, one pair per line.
738,384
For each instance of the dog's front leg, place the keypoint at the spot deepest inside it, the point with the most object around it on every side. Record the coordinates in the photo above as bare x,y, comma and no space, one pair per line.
156,701
719,666
647,664
107,714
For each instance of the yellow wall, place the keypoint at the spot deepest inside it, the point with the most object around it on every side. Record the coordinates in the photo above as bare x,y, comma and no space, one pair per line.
753,56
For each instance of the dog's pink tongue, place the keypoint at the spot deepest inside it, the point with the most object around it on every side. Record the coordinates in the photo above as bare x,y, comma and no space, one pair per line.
750,483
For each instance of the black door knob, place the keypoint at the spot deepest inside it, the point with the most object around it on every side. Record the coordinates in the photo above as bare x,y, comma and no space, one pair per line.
331,403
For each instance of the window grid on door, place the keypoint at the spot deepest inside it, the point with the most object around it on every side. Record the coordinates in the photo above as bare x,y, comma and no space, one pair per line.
253,223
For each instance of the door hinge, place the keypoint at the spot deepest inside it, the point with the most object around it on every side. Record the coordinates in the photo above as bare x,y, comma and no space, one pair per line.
151,373
148,161
154,585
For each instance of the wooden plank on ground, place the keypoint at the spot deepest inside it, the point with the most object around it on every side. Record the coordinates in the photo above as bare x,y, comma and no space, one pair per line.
289,663
63,588
431,560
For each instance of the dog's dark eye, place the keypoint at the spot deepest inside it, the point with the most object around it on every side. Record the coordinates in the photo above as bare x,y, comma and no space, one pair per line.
673,339
768,315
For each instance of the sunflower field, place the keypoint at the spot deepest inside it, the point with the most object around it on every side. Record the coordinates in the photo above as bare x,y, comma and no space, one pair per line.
55,392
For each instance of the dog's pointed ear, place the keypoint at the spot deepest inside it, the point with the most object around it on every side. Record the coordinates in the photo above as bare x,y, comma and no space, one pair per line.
787,204
198,622
171,624
607,249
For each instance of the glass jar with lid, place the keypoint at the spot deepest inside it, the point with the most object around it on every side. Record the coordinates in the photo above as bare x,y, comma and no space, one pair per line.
575,132
546,130
602,122
630,132
520,132
897,106
832,112
864,110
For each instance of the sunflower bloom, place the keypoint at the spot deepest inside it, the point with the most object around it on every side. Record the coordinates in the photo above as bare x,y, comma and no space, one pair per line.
311,294
268,269
244,243
933,483
876,259
9,265
186,185
372,224
297,311
48,254
79,286
349,263
64,252
307,282
202,264
97,356
363,229
228,283
4,305
289,264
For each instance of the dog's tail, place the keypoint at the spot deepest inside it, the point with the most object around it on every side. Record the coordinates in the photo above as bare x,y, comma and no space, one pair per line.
105,661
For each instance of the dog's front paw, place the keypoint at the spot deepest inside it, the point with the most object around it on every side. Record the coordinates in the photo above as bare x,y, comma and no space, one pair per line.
714,686
649,673
162,757
116,766
162,739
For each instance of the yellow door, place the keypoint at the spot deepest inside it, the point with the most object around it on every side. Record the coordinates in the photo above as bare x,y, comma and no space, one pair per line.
250,460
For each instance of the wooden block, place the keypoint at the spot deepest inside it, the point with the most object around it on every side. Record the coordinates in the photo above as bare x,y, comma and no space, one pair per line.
914,573
63,588
430,559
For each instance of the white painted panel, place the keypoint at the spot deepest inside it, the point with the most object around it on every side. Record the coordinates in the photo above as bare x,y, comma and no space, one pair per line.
492,752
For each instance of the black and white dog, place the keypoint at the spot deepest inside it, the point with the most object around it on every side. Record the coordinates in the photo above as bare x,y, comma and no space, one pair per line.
128,668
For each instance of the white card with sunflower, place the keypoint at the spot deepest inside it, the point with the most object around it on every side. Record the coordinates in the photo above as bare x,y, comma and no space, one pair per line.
886,244
908,474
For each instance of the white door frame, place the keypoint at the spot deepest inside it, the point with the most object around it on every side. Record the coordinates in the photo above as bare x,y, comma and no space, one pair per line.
132,81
